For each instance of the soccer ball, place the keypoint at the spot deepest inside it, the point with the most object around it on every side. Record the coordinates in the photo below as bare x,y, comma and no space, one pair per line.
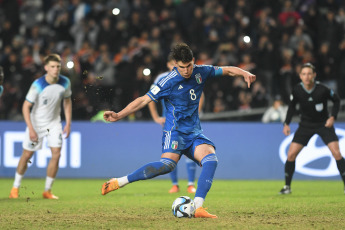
183,206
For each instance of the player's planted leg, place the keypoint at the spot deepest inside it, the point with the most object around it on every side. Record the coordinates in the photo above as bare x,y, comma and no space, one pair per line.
209,164
148,171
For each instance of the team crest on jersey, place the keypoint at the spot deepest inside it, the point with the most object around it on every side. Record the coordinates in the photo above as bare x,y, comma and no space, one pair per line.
174,145
198,78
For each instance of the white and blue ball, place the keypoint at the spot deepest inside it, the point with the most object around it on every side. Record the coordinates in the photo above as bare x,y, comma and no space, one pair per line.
183,206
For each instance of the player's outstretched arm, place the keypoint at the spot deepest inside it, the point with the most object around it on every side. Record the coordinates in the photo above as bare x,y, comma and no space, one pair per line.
132,107
235,71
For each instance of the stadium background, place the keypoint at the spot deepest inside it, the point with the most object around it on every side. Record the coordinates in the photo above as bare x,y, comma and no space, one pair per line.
106,45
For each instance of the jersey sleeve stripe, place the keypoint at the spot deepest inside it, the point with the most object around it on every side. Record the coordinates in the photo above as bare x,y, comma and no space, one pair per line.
167,78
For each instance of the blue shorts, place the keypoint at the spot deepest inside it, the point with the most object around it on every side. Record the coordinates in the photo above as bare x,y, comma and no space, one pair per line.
180,143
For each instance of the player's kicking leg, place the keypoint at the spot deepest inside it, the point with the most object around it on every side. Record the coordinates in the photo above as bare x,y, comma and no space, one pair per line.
110,185
148,171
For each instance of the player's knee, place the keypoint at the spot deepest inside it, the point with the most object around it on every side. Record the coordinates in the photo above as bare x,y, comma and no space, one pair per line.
56,156
27,154
168,165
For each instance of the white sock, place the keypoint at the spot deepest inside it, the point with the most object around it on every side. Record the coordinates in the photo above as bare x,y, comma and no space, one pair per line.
17,180
190,183
49,183
122,181
199,201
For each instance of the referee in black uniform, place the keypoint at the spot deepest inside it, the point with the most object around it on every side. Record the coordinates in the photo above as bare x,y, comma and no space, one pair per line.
312,97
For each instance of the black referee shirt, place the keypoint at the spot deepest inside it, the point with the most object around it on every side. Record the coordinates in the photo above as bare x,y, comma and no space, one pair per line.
312,104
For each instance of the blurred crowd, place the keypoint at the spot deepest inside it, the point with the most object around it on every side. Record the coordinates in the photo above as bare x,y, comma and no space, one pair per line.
106,44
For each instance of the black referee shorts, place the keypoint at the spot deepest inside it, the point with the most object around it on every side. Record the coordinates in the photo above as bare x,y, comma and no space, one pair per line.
303,134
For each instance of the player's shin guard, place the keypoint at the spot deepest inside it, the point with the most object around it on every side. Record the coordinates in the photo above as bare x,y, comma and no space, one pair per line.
289,171
341,168
153,169
209,165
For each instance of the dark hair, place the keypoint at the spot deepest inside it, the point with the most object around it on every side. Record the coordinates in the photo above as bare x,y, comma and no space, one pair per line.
308,65
182,52
52,57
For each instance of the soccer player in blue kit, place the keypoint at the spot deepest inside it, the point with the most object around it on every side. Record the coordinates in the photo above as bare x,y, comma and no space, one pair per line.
190,165
181,90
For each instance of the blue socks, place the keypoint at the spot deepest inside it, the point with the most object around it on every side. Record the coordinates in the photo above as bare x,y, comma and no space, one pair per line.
191,167
173,176
209,165
153,169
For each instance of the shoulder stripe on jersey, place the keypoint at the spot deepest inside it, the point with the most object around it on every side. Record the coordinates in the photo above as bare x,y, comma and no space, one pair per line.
64,81
167,78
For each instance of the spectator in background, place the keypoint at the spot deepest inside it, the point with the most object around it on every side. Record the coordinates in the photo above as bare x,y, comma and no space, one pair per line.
341,67
43,27
326,65
275,113
300,36
1,80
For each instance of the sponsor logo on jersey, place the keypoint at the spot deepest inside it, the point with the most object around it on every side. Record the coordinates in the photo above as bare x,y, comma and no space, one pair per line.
198,78
174,145
180,87
315,159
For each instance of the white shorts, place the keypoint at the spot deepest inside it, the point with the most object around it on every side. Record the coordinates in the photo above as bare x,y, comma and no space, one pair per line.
53,135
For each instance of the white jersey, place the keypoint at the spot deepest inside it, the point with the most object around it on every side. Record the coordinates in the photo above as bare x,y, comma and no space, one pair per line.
46,99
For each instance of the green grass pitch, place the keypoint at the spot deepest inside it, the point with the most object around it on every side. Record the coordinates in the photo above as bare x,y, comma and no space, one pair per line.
147,205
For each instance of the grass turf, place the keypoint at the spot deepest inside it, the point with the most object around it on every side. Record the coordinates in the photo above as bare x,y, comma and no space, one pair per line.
147,205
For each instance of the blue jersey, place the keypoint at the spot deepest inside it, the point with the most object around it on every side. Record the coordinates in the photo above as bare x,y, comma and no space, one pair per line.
181,97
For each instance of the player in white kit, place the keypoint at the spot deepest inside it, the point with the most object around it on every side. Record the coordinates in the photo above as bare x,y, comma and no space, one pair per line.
44,101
